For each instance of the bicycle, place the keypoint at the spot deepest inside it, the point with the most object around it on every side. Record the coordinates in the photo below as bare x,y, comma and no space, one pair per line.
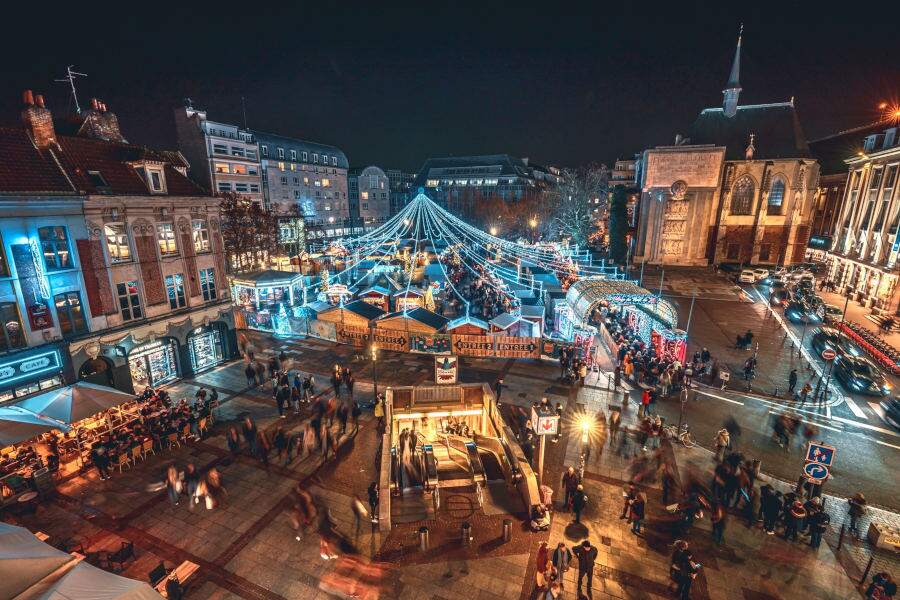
684,436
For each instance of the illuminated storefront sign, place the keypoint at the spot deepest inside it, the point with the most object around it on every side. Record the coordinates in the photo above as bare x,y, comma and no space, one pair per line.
29,367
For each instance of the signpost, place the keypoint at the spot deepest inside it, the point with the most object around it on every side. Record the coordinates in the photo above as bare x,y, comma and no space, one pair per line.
817,452
816,473
828,354
818,464
545,422
446,369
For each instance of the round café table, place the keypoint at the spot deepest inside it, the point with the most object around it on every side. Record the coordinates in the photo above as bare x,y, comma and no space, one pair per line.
27,502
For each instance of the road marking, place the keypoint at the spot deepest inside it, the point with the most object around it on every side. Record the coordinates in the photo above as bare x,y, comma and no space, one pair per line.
866,426
856,410
738,402
828,411
876,408
889,445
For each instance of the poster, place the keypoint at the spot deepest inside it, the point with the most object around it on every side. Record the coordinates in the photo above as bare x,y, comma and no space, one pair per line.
355,336
430,343
323,330
446,369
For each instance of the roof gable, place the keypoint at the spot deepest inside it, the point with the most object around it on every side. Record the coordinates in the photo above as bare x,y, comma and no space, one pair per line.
776,129
25,169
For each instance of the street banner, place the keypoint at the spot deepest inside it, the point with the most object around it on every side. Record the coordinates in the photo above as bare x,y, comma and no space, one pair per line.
353,335
323,330
446,369
473,345
391,339
517,347
430,343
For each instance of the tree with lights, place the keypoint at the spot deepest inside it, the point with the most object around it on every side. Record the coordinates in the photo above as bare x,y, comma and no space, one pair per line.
618,225
249,232
574,198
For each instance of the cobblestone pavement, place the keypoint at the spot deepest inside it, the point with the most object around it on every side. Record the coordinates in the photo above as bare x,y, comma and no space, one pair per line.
246,548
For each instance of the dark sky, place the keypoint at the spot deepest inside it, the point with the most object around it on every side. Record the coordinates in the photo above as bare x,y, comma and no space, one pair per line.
396,84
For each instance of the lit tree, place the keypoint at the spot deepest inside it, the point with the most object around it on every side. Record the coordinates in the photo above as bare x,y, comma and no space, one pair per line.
618,225
572,200
250,233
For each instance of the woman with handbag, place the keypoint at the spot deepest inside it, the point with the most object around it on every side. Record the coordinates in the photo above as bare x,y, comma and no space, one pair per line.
544,570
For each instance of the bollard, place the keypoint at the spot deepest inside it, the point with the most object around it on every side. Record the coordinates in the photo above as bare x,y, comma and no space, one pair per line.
841,536
777,392
868,568
466,533
507,529
423,539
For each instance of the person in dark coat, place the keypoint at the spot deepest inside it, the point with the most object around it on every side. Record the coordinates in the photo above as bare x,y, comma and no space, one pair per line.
579,501
586,555
770,506
818,525
570,481
637,512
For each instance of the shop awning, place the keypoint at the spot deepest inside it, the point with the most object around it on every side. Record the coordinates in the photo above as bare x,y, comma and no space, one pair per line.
75,402
26,560
86,582
18,425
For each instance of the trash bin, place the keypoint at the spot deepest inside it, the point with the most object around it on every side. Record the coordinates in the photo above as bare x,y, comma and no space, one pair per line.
466,533
546,495
507,529
423,539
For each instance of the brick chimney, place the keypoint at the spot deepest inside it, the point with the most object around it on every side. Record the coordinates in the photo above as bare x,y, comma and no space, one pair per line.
38,120
98,123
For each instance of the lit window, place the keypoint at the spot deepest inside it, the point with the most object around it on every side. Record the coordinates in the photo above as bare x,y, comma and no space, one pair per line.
117,242
742,196
13,336
70,313
223,167
306,181
293,167
55,246
281,166
200,235
364,195
175,290
776,197
239,169
326,182
208,284
318,183
129,300
165,235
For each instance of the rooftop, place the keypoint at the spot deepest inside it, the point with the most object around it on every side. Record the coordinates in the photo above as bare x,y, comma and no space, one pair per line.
775,127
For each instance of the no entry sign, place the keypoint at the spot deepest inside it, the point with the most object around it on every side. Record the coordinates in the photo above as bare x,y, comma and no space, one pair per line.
828,354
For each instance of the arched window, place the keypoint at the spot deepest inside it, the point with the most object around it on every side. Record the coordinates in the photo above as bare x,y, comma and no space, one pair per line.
776,196
742,196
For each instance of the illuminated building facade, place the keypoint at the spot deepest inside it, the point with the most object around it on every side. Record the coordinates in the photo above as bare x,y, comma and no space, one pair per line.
863,259
111,267
370,196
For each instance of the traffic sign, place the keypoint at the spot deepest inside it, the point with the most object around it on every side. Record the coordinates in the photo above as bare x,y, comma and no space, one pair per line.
819,453
828,354
815,472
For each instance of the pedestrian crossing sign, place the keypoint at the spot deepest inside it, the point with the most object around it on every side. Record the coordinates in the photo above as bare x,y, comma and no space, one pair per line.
821,454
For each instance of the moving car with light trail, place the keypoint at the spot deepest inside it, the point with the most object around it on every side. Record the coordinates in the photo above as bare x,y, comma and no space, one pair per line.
859,375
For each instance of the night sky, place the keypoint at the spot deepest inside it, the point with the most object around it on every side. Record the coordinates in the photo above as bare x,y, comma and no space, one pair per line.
393,86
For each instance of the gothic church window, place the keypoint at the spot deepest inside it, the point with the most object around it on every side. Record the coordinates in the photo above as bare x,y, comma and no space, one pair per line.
776,197
742,196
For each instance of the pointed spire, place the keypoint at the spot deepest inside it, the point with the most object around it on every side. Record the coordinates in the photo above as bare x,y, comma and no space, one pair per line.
733,88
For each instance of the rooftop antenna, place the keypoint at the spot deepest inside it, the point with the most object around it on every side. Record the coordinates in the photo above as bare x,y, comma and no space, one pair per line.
244,111
70,79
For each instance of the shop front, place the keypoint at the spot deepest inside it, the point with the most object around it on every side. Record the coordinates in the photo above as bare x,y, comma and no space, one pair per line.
206,347
154,363
26,373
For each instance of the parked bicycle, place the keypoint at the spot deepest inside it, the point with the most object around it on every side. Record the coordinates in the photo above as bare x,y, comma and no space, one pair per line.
684,436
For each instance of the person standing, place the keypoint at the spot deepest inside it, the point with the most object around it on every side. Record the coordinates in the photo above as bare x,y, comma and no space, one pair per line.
645,404
498,389
173,484
373,500
629,496
771,507
718,516
637,512
100,458
586,555
282,398
687,572
579,501
792,382
857,509
250,372
722,441
336,382
818,524
543,568
792,520
570,481
562,556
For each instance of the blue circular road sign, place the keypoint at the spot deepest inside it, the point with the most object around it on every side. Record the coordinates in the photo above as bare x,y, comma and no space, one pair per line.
815,472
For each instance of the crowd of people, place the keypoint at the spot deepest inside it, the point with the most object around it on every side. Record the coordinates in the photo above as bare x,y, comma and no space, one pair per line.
480,286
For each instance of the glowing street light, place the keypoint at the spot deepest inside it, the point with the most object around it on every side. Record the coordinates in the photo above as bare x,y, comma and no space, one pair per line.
493,231
373,349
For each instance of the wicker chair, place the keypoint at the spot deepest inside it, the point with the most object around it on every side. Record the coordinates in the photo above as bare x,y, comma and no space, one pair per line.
122,461
172,440
147,448
136,454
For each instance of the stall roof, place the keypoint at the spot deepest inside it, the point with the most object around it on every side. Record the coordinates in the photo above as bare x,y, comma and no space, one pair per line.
378,289
267,278
536,310
318,306
435,272
18,425
421,315
411,291
467,320
75,402
364,309
504,320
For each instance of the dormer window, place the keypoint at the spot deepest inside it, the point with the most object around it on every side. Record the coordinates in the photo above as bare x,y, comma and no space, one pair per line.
97,180
155,178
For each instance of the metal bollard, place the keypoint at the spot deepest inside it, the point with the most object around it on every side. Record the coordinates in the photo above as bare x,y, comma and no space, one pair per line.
507,529
466,533
423,539
777,392
841,536
868,568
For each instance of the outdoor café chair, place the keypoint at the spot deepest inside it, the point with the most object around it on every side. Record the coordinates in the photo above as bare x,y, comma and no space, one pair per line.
185,432
203,426
122,461
147,448
172,439
136,454
121,556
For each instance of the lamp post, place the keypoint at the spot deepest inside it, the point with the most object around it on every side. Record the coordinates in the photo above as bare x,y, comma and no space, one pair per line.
534,223
374,354
824,393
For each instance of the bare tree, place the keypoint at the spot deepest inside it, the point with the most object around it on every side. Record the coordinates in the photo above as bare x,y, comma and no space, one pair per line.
575,198
249,231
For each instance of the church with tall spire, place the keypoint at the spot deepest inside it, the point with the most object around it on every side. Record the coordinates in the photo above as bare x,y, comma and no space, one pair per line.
737,187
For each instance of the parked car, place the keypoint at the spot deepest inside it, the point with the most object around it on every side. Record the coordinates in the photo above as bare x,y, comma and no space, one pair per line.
828,337
832,313
761,275
891,408
859,375
747,276
799,311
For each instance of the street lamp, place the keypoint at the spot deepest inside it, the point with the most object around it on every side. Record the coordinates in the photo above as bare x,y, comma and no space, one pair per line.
374,354
534,223
493,230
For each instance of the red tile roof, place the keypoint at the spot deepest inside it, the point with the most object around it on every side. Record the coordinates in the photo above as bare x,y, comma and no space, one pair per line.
25,169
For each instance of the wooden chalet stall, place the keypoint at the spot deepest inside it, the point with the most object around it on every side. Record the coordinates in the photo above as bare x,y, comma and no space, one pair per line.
357,314
468,325
507,324
409,298
417,319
